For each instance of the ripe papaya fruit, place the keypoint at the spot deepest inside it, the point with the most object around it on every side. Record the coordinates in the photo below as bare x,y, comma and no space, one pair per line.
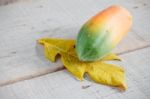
100,34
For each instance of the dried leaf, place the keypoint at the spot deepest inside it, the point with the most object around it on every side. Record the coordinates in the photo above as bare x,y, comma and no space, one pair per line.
107,74
76,67
111,57
56,46
98,71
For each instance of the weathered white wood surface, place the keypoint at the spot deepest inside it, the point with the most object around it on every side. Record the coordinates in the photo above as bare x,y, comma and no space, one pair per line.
24,22
61,85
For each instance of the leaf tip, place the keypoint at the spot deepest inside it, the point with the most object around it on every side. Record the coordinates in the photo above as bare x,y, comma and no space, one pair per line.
40,41
123,87
79,78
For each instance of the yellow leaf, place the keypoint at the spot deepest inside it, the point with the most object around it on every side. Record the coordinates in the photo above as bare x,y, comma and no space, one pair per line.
110,57
107,74
98,71
56,46
73,65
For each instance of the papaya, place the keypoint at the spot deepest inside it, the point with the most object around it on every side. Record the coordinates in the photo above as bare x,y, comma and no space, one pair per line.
100,34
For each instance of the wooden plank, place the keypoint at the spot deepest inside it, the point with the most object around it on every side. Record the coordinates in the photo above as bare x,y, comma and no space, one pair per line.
61,85
24,22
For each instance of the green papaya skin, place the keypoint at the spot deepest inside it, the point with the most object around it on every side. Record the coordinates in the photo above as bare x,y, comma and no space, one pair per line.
100,35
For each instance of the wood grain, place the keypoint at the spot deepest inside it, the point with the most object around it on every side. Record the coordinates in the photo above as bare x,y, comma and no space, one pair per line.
23,23
62,85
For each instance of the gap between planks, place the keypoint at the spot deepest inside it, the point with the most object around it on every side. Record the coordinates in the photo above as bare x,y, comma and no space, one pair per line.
54,69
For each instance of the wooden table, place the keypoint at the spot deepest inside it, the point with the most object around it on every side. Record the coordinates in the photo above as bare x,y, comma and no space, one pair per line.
26,74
